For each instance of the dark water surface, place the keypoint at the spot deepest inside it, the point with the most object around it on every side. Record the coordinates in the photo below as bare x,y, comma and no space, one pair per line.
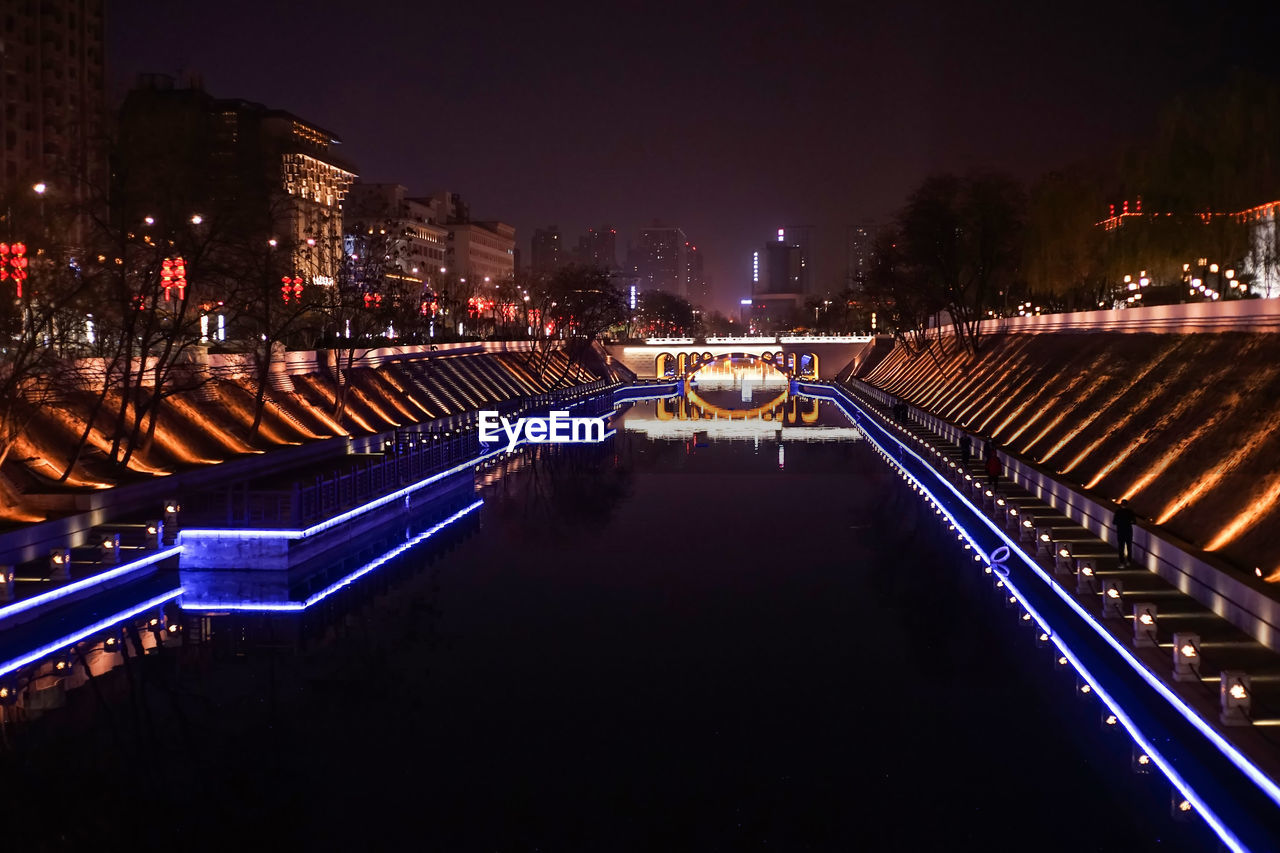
671,641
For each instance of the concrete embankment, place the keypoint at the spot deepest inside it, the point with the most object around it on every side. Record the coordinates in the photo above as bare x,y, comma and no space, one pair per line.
208,412
387,391
1182,425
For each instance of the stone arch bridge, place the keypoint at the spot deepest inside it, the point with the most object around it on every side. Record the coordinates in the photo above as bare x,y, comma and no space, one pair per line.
799,357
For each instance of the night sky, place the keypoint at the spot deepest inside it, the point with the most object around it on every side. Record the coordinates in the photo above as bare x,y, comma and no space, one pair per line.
730,120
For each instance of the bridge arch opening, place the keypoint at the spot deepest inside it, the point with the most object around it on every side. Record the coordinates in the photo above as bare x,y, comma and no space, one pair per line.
737,364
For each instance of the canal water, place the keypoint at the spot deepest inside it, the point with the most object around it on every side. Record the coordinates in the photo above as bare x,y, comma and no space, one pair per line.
729,627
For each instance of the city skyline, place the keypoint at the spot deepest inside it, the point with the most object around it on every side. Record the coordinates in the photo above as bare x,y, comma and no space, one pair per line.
730,125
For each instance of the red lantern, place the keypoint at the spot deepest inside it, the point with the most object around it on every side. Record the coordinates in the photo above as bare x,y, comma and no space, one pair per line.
17,265
180,277
291,287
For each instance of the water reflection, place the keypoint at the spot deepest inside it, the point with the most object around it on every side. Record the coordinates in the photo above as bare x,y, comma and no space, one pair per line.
769,414
565,490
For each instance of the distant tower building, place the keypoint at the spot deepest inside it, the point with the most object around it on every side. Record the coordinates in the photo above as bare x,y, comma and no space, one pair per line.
695,280
783,268
778,273
52,94
801,236
858,245
661,259
598,248
545,255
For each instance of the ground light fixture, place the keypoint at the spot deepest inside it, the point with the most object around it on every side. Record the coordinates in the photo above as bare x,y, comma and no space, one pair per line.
154,534
171,510
60,564
1063,563
109,552
1086,578
1235,690
1144,625
1186,656
1113,599
1044,541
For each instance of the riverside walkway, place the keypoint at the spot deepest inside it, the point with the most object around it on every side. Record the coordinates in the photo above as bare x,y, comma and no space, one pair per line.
1219,751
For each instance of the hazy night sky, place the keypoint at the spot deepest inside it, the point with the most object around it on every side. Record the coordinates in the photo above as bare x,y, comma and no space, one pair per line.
729,120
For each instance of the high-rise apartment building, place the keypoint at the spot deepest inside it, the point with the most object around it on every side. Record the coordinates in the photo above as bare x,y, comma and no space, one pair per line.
51,93
696,286
546,250
801,237
660,259
598,248
858,243
778,279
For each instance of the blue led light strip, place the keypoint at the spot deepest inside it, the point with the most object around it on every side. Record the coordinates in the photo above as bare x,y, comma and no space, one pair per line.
289,606
71,639
623,395
87,583
231,533
1238,759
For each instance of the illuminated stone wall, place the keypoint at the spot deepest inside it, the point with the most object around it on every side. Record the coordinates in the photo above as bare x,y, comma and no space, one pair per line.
1181,425
212,422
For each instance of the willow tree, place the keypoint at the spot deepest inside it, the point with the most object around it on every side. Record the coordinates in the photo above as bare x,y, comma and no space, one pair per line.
961,240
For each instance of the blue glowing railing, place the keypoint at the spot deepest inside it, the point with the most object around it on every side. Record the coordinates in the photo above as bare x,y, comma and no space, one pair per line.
224,533
62,592
45,649
315,598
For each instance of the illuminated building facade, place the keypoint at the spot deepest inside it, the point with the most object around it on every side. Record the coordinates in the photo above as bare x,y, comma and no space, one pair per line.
485,250
405,226
51,100
480,248
265,173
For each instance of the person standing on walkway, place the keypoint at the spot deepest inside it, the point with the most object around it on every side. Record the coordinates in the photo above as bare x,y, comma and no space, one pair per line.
1123,522
966,451
993,471
988,449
